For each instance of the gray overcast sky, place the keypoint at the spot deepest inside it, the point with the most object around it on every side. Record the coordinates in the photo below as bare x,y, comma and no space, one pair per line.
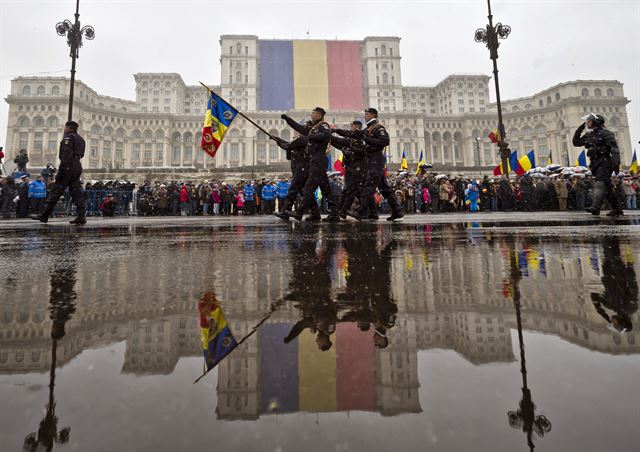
551,42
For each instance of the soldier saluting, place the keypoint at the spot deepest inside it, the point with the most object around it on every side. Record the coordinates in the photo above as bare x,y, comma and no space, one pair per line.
71,151
319,136
375,139
602,150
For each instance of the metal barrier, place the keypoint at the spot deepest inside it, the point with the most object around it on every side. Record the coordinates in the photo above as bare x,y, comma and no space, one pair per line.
92,201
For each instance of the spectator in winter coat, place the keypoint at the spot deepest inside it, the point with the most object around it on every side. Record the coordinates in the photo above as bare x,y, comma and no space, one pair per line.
282,190
268,198
215,199
37,195
184,200
23,194
249,198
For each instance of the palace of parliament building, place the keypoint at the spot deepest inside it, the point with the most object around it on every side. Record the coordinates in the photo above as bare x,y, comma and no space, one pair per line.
161,129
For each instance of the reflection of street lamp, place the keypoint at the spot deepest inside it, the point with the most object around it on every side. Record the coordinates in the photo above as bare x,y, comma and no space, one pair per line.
489,36
524,417
74,35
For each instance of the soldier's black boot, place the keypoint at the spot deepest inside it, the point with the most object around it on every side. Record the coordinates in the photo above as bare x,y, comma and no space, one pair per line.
295,215
42,218
615,213
313,218
282,215
396,215
354,214
80,219
592,210
331,219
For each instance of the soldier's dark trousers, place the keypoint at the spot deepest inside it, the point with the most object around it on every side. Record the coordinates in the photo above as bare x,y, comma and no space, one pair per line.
68,176
376,179
318,178
355,176
602,189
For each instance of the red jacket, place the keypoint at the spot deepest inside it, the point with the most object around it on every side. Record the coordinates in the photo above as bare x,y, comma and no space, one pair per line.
184,194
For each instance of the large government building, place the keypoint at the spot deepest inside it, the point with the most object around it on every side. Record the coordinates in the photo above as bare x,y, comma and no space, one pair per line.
161,129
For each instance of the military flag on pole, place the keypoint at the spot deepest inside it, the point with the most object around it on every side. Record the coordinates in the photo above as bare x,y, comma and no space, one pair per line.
217,121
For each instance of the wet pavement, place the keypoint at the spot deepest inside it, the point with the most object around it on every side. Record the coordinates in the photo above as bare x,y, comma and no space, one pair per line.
496,332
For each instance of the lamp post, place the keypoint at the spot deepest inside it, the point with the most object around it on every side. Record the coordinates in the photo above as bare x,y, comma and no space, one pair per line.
478,151
524,417
74,35
489,36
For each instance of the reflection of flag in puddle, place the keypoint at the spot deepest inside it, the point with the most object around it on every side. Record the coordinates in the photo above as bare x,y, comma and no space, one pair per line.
628,255
217,339
298,377
409,262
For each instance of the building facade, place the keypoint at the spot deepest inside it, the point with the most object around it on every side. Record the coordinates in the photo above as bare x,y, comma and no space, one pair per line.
450,121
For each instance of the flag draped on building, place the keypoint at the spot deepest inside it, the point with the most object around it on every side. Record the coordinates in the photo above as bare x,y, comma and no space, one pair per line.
582,159
217,121
634,163
217,339
404,164
421,162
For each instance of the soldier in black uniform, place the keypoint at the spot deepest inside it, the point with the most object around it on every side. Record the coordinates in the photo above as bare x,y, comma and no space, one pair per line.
296,152
21,161
602,150
354,160
71,151
619,301
375,139
319,136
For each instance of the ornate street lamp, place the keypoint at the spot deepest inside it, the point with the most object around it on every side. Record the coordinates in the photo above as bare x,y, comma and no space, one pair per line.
489,36
74,35
524,417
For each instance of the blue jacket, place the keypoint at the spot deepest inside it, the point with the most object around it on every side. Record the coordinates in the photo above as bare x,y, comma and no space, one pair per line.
282,189
37,189
249,192
269,192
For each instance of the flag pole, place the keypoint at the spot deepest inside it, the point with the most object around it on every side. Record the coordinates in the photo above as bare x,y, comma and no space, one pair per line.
273,308
240,113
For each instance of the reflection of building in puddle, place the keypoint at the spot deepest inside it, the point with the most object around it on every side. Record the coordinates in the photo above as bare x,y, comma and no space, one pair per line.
449,296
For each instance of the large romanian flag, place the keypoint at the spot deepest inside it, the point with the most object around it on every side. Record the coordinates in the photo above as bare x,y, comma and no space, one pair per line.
217,339
525,163
217,121
634,164
513,161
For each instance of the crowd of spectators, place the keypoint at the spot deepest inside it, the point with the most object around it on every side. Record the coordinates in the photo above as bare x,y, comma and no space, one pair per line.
418,193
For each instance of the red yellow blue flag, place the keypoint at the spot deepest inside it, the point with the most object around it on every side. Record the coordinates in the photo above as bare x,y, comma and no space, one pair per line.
217,339
404,164
217,121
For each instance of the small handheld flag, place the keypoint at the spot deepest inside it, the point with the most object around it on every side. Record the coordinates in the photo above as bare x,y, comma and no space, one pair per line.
404,164
582,159
338,166
634,164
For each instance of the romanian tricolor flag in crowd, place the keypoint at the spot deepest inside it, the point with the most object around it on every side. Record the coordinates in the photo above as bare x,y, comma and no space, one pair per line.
582,159
513,161
525,163
404,164
217,339
421,162
550,160
217,120
338,166
385,163
494,136
634,164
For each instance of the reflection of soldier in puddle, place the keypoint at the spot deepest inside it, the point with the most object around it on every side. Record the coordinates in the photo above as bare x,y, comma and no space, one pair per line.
310,289
367,297
62,305
620,298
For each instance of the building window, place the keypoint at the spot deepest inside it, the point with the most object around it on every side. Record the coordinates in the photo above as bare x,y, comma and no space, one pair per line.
159,151
610,92
188,153
55,91
119,150
147,151
234,151
136,152
585,92
53,141
40,91
26,91
93,149
261,152
106,149
176,153
24,140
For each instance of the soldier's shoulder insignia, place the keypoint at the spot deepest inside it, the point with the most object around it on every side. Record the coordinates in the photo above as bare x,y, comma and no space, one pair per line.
382,131
325,126
67,140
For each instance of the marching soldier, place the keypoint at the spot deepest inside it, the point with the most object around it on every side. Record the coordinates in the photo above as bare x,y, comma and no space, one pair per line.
351,143
375,139
318,136
296,152
602,150
71,152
